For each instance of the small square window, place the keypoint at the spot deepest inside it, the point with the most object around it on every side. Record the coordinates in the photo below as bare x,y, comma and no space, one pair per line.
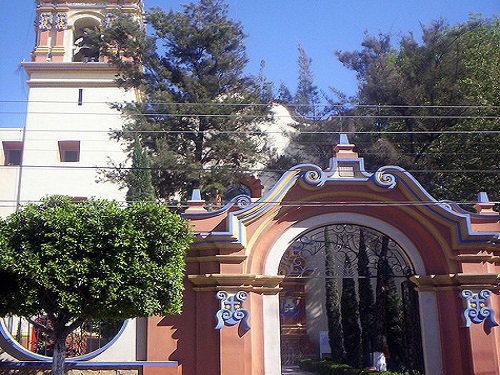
69,151
13,152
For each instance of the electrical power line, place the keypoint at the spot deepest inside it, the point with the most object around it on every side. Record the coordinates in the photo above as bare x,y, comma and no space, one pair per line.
347,104
252,116
256,132
236,170
306,203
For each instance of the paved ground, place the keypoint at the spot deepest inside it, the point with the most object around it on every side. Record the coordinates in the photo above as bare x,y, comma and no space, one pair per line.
294,370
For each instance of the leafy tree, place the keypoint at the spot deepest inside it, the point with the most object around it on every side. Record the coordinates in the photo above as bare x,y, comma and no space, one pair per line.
428,87
77,262
140,186
190,74
350,317
333,313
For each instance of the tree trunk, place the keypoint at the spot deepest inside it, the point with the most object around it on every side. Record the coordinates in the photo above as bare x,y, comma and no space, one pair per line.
59,355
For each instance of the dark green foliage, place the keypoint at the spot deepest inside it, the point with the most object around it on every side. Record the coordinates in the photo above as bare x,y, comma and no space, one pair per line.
331,368
335,333
389,319
193,87
94,260
366,302
350,318
306,98
139,181
284,94
393,318
379,341
451,66
412,345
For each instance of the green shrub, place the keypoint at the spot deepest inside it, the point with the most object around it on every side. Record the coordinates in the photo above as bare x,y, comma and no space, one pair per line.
325,367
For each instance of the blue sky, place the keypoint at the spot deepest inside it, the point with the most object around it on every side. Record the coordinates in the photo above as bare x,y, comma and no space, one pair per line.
274,29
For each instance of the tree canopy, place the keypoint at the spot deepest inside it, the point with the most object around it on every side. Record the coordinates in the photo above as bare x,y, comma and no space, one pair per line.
202,112
445,83
440,93
93,260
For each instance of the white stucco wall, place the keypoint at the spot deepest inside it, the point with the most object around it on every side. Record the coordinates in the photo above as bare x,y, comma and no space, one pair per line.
9,174
54,115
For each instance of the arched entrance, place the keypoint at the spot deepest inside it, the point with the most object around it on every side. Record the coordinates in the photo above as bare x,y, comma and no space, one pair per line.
347,296
431,340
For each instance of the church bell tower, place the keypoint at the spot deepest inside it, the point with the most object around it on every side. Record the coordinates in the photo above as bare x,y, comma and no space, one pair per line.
67,141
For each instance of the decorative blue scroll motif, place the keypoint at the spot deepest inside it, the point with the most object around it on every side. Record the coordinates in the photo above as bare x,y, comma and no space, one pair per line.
231,310
477,309
289,307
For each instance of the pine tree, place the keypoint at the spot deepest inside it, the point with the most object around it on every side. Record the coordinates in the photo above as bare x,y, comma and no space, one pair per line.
139,181
306,97
366,302
350,317
194,90
333,313
284,94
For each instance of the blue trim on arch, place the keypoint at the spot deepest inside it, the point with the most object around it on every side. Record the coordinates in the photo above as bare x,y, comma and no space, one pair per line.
37,357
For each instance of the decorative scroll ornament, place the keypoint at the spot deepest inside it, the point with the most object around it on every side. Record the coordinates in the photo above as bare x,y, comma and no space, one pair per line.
231,310
108,20
45,21
243,201
61,21
289,306
477,309
384,179
314,176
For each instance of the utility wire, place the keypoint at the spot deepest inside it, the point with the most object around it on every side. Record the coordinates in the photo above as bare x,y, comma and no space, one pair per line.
256,132
234,170
310,203
253,116
349,104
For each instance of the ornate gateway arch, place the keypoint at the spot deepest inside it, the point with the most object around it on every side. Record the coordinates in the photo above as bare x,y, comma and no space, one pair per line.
248,245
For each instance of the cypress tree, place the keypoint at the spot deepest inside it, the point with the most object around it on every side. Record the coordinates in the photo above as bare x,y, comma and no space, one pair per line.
393,317
333,303
366,300
379,337
350,318
411,328
389,331
139,181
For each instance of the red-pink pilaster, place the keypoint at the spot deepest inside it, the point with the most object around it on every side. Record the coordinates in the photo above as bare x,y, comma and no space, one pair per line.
207,339
483,346
455,339
241,351
43,39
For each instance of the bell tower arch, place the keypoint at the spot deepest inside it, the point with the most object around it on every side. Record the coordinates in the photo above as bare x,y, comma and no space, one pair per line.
60,23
